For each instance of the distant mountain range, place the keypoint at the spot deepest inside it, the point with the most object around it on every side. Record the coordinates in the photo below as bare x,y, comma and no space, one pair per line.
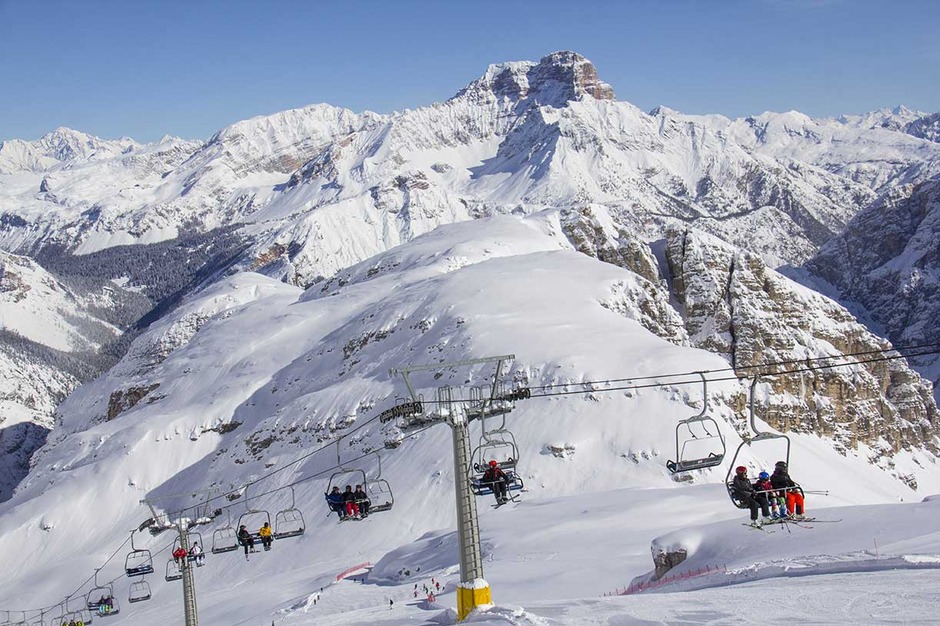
847,206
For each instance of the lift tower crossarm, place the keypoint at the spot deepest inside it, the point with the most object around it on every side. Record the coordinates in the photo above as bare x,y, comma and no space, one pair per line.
405,371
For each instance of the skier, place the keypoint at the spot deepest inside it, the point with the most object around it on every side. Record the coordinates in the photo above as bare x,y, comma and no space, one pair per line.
778,506
245,538
780,479
744,491
179,555
362,500
352,509
336,502
497,479
196,554
265,534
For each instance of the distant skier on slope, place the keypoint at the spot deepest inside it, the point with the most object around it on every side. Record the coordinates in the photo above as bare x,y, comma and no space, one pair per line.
780,479
497,479
744,491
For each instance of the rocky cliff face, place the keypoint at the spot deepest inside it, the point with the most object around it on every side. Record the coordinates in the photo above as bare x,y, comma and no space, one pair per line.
735,305
888,261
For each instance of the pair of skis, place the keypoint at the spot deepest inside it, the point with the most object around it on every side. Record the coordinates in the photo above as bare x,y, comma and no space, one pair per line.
806,522
507,500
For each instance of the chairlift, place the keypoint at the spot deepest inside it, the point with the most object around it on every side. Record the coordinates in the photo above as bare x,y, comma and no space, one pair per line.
194,537
710,437
139,591
225,538
505,452
101,600
138,562
290,521
378,490
749,441
40,619
253,519
174,570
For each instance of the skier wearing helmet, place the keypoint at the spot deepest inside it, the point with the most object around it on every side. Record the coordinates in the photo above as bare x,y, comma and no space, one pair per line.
781,480
497,479
778,507
744,491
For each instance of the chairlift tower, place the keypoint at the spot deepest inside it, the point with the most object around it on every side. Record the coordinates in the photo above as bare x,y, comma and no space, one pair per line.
190,612
473,590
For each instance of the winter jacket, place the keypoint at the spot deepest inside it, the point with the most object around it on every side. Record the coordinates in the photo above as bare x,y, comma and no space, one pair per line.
265,531
763,485
360,496
742,487
494,475
780,479
349,496
244,536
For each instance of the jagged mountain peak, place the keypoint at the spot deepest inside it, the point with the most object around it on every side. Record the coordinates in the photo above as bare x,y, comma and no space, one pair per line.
555,80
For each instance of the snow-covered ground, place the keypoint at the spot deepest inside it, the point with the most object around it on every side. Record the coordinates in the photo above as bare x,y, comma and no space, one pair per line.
552,561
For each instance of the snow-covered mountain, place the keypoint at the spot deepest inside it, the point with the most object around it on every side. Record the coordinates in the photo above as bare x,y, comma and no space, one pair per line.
291,260
522,137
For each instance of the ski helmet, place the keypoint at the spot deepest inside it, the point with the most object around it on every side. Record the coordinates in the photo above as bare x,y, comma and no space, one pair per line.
493,463
740,469
763,475
781,464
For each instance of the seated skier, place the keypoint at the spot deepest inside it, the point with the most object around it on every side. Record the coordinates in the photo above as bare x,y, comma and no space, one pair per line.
745,492
336,502
362,500
496,478
781,480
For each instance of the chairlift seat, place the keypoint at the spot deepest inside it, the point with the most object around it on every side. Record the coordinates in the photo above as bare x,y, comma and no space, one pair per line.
289,523
224,540
484,488
138,563
712,460
139,592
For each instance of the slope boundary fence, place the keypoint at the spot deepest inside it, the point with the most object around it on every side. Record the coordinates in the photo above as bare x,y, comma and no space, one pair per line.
640,587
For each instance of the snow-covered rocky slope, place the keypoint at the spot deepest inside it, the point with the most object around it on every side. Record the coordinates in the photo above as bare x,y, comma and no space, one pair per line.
887,261
50,340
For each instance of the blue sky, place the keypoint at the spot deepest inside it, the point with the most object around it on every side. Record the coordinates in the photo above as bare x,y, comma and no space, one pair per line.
189,68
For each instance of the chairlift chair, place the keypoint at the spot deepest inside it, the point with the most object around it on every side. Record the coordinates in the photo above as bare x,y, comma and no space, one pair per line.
173,571
499,446
378,490
225,538
712,434
290,521
336,481
194,537
99,591
138,562
139,591
758,437
253,520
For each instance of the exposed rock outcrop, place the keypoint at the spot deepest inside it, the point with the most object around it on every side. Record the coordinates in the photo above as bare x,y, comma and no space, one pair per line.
735,305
